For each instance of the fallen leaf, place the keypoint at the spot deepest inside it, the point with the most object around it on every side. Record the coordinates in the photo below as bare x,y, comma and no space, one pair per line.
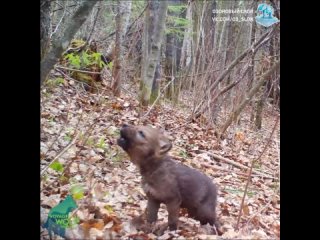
92,223
108,225
246,210
126,104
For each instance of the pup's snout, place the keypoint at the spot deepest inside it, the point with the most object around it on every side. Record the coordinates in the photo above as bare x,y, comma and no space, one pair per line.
123,129
122,141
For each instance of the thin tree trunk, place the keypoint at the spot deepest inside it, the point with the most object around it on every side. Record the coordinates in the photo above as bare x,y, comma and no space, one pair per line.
145,45
45,20
155,90
225,39
156,83
126,13
155,33
209,28
171,50
260,105
60,45
186,56
116,85
252,64
252,39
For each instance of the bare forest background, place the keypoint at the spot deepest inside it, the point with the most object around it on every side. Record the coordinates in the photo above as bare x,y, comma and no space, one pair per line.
213,86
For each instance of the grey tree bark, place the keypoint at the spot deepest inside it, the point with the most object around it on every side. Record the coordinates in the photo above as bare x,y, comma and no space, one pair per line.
45,20
252,39
126,13
260,105
209,27
153,35
171,54
186,53
60,45
122,18
223,41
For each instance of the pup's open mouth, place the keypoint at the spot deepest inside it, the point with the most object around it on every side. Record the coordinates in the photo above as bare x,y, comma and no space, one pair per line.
121,141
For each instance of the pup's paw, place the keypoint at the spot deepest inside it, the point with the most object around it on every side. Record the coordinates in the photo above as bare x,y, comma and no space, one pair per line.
141,224
160,229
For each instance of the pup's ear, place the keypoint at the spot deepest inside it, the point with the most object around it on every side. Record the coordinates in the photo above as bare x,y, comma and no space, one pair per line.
165,145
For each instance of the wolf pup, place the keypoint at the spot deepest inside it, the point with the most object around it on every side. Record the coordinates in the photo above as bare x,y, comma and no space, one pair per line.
166,181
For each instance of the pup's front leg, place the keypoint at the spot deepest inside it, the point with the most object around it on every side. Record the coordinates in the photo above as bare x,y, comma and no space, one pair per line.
152,210
173,208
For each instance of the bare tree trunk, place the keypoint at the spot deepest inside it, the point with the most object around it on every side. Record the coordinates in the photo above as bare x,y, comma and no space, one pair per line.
225,40
252,64
156,35
249,96
60,45
230,50
186,54
116,85
171,51
209,28
126,12
45,20
260,105
218,27
156,83
146,44
252,39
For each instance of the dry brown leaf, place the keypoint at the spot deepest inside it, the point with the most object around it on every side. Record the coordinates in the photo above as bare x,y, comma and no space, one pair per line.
116,106
92,223
246,210
112,222
140,236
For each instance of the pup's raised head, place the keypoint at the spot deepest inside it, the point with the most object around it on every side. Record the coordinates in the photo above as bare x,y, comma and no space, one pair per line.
143,142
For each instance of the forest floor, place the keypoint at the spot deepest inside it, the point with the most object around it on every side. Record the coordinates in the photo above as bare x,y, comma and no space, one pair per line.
80,129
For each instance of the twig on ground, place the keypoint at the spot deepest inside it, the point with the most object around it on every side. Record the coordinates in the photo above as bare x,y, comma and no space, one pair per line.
76,70
239,165
61,153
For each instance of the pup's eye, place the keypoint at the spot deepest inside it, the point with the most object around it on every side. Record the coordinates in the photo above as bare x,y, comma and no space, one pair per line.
141,134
